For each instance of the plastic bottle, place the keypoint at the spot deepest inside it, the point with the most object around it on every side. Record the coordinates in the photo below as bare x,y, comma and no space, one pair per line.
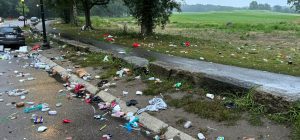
33,108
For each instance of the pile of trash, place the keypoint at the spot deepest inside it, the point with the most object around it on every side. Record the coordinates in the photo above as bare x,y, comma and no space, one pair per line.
108,38
116,111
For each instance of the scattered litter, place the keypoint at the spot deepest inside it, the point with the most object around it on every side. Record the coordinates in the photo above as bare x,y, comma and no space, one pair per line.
97,77
42,129
33,108
1,100
139,93
210,96
81,73
155,105
188,124
246,138
210,128
201,136
17,92
131,103
69,138
151,78
230,105
103,127
106,137
101,117
120,73
137,77
136,45
23,49
53,112
36,47
105,59
125,93
156,137
103,105
58,104
102,82
40,65
178,85
67,121
20,104
30,79
45,109
22,97
221,138
186,44
38,120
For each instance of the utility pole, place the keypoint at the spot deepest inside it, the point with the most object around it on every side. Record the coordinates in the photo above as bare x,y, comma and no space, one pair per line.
23,2
45,42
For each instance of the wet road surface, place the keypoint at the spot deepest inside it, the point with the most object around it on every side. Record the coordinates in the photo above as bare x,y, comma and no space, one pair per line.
45,90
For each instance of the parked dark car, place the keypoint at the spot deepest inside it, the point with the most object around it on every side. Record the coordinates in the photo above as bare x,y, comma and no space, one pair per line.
1,20
12,35
21,18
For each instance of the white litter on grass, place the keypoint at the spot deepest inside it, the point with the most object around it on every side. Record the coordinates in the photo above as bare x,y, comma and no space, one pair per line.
155,105
42,129
210,96
138,77
201,136
58,104
125,93
105,59
139,93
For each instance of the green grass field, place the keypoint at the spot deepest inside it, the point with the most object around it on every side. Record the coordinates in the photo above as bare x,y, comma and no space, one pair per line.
245,16
255,39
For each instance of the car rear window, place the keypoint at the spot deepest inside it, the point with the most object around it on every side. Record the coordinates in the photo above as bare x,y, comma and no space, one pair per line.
9,30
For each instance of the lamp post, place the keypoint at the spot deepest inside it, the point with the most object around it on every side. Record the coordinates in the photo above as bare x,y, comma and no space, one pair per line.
45,42
39,14
23,2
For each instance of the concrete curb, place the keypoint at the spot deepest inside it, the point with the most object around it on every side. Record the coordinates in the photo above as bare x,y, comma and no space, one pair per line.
149,121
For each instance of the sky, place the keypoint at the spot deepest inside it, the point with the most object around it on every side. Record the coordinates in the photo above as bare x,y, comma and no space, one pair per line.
236,3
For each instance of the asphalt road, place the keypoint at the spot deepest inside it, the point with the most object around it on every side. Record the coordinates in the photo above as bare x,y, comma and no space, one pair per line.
14,22
45,90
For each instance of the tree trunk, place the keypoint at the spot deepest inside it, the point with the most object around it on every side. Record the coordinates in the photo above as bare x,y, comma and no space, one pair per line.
147,24
87,14
75,19
66,16
147,27
73,12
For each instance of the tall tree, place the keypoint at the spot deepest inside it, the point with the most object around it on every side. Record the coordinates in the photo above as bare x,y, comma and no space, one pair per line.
277,8
295,4
253,5
87,5
20,7
64,8
150,13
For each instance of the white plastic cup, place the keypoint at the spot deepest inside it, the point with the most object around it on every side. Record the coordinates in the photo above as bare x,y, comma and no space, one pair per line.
188,124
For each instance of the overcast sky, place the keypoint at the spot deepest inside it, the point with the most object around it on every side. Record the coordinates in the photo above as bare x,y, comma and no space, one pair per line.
236,3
